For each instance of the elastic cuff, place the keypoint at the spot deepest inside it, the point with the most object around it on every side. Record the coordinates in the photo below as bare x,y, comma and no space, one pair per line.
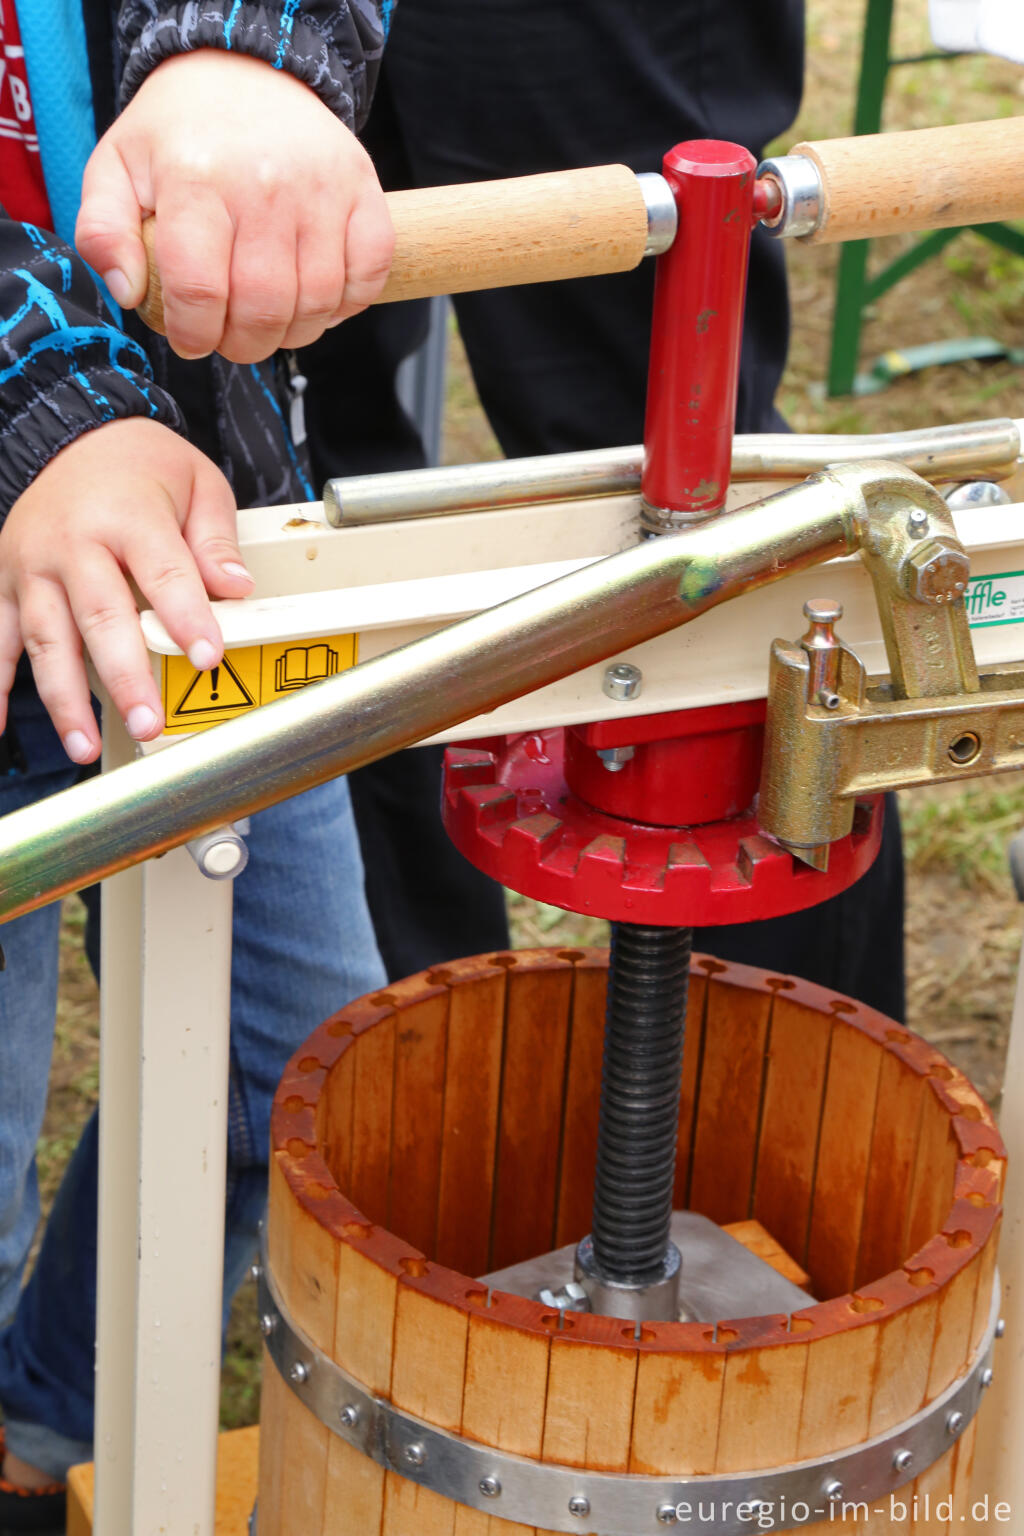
44,1448
336,70
71,406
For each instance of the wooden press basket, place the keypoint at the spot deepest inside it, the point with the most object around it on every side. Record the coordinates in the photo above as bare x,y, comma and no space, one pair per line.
446,1128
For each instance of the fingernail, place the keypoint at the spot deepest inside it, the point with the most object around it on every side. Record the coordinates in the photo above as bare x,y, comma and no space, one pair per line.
202,655
235,568
120,288
78,746
140,720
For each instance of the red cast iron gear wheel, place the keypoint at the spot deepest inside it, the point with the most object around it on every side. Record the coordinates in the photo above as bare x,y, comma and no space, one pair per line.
508,809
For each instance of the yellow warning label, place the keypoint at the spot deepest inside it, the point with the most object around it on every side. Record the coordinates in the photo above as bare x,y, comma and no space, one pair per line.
248,677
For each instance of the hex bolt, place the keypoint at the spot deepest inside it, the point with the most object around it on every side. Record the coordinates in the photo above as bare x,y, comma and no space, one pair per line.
936,572
833,1489
349,1415
666,1514
954,1422
490,1487
616,758
986,1377
268,1322
415,1454
298,1372
903,1461
623,681
1001,1328
579,1505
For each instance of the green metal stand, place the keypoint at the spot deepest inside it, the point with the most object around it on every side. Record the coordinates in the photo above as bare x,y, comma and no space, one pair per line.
854,289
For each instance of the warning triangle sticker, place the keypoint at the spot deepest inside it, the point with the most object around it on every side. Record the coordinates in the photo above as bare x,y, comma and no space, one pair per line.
220,690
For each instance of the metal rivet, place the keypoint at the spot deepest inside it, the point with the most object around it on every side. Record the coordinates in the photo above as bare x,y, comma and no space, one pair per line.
666,1514
298,1372
1000,1328
903,1461
954,1422
579,1505
255,1271
415,1454
267,1324
490,1487
833,1489
623,681
986,1376
349,1415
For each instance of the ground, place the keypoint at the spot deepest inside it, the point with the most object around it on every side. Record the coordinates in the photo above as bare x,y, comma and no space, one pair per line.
963,925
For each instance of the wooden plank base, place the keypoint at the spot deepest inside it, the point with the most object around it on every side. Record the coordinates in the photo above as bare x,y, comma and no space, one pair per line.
237,1478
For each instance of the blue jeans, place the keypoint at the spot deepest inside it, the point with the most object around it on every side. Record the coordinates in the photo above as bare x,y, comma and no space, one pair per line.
286,975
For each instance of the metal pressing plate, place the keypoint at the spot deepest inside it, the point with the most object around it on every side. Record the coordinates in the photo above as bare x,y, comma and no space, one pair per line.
719,1279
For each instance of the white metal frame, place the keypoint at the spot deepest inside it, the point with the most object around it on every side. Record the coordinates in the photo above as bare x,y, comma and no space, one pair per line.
167,934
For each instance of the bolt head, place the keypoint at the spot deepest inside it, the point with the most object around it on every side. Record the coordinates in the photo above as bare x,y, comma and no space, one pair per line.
932,571
490,1487
833,1489
255,1271
1001,1328
823,610
666,1514
298,1372
903,1461
579,1505
349,1415
415,1454
954,1422
267,1324
623,681
987,1376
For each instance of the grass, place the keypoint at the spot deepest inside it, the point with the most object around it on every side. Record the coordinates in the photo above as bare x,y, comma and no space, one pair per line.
962,922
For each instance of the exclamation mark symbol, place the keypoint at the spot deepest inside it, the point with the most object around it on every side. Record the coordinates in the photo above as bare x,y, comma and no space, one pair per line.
215,673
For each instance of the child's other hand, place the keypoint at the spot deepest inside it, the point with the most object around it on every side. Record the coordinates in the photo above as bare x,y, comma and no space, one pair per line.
133,500
270,221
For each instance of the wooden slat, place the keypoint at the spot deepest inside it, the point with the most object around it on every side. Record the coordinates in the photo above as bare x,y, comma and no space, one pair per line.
506,1391
582,1099
906,1340
371,1119
421,1047
843,1153
539,991
761,1394
334,1115
476,1026
931,1191
693,1053
680,1377
890,1171
428,1380
591,1384
932,1490
841,1363
757,1240
788,1142
728,1111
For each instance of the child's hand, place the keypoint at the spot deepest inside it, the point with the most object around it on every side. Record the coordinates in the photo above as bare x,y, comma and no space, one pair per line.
128,500
270,222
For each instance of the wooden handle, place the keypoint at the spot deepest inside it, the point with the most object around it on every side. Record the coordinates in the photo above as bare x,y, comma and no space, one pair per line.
929,178
493,234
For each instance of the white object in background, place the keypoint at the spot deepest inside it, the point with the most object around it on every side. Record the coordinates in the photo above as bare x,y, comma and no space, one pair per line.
979,26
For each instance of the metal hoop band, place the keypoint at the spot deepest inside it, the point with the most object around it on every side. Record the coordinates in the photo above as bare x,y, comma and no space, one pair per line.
560,1498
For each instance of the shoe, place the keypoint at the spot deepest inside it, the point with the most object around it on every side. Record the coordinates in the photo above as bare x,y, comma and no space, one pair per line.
39,1511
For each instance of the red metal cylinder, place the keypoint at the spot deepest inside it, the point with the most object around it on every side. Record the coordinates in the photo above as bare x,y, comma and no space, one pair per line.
697,329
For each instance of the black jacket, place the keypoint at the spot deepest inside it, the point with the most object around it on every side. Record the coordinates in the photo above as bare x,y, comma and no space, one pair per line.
65,367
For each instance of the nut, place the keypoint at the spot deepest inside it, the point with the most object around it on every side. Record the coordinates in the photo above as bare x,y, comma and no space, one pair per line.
570,1297
936,572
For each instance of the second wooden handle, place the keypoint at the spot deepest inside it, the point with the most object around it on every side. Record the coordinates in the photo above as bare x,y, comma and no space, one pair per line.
928,178
493,234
